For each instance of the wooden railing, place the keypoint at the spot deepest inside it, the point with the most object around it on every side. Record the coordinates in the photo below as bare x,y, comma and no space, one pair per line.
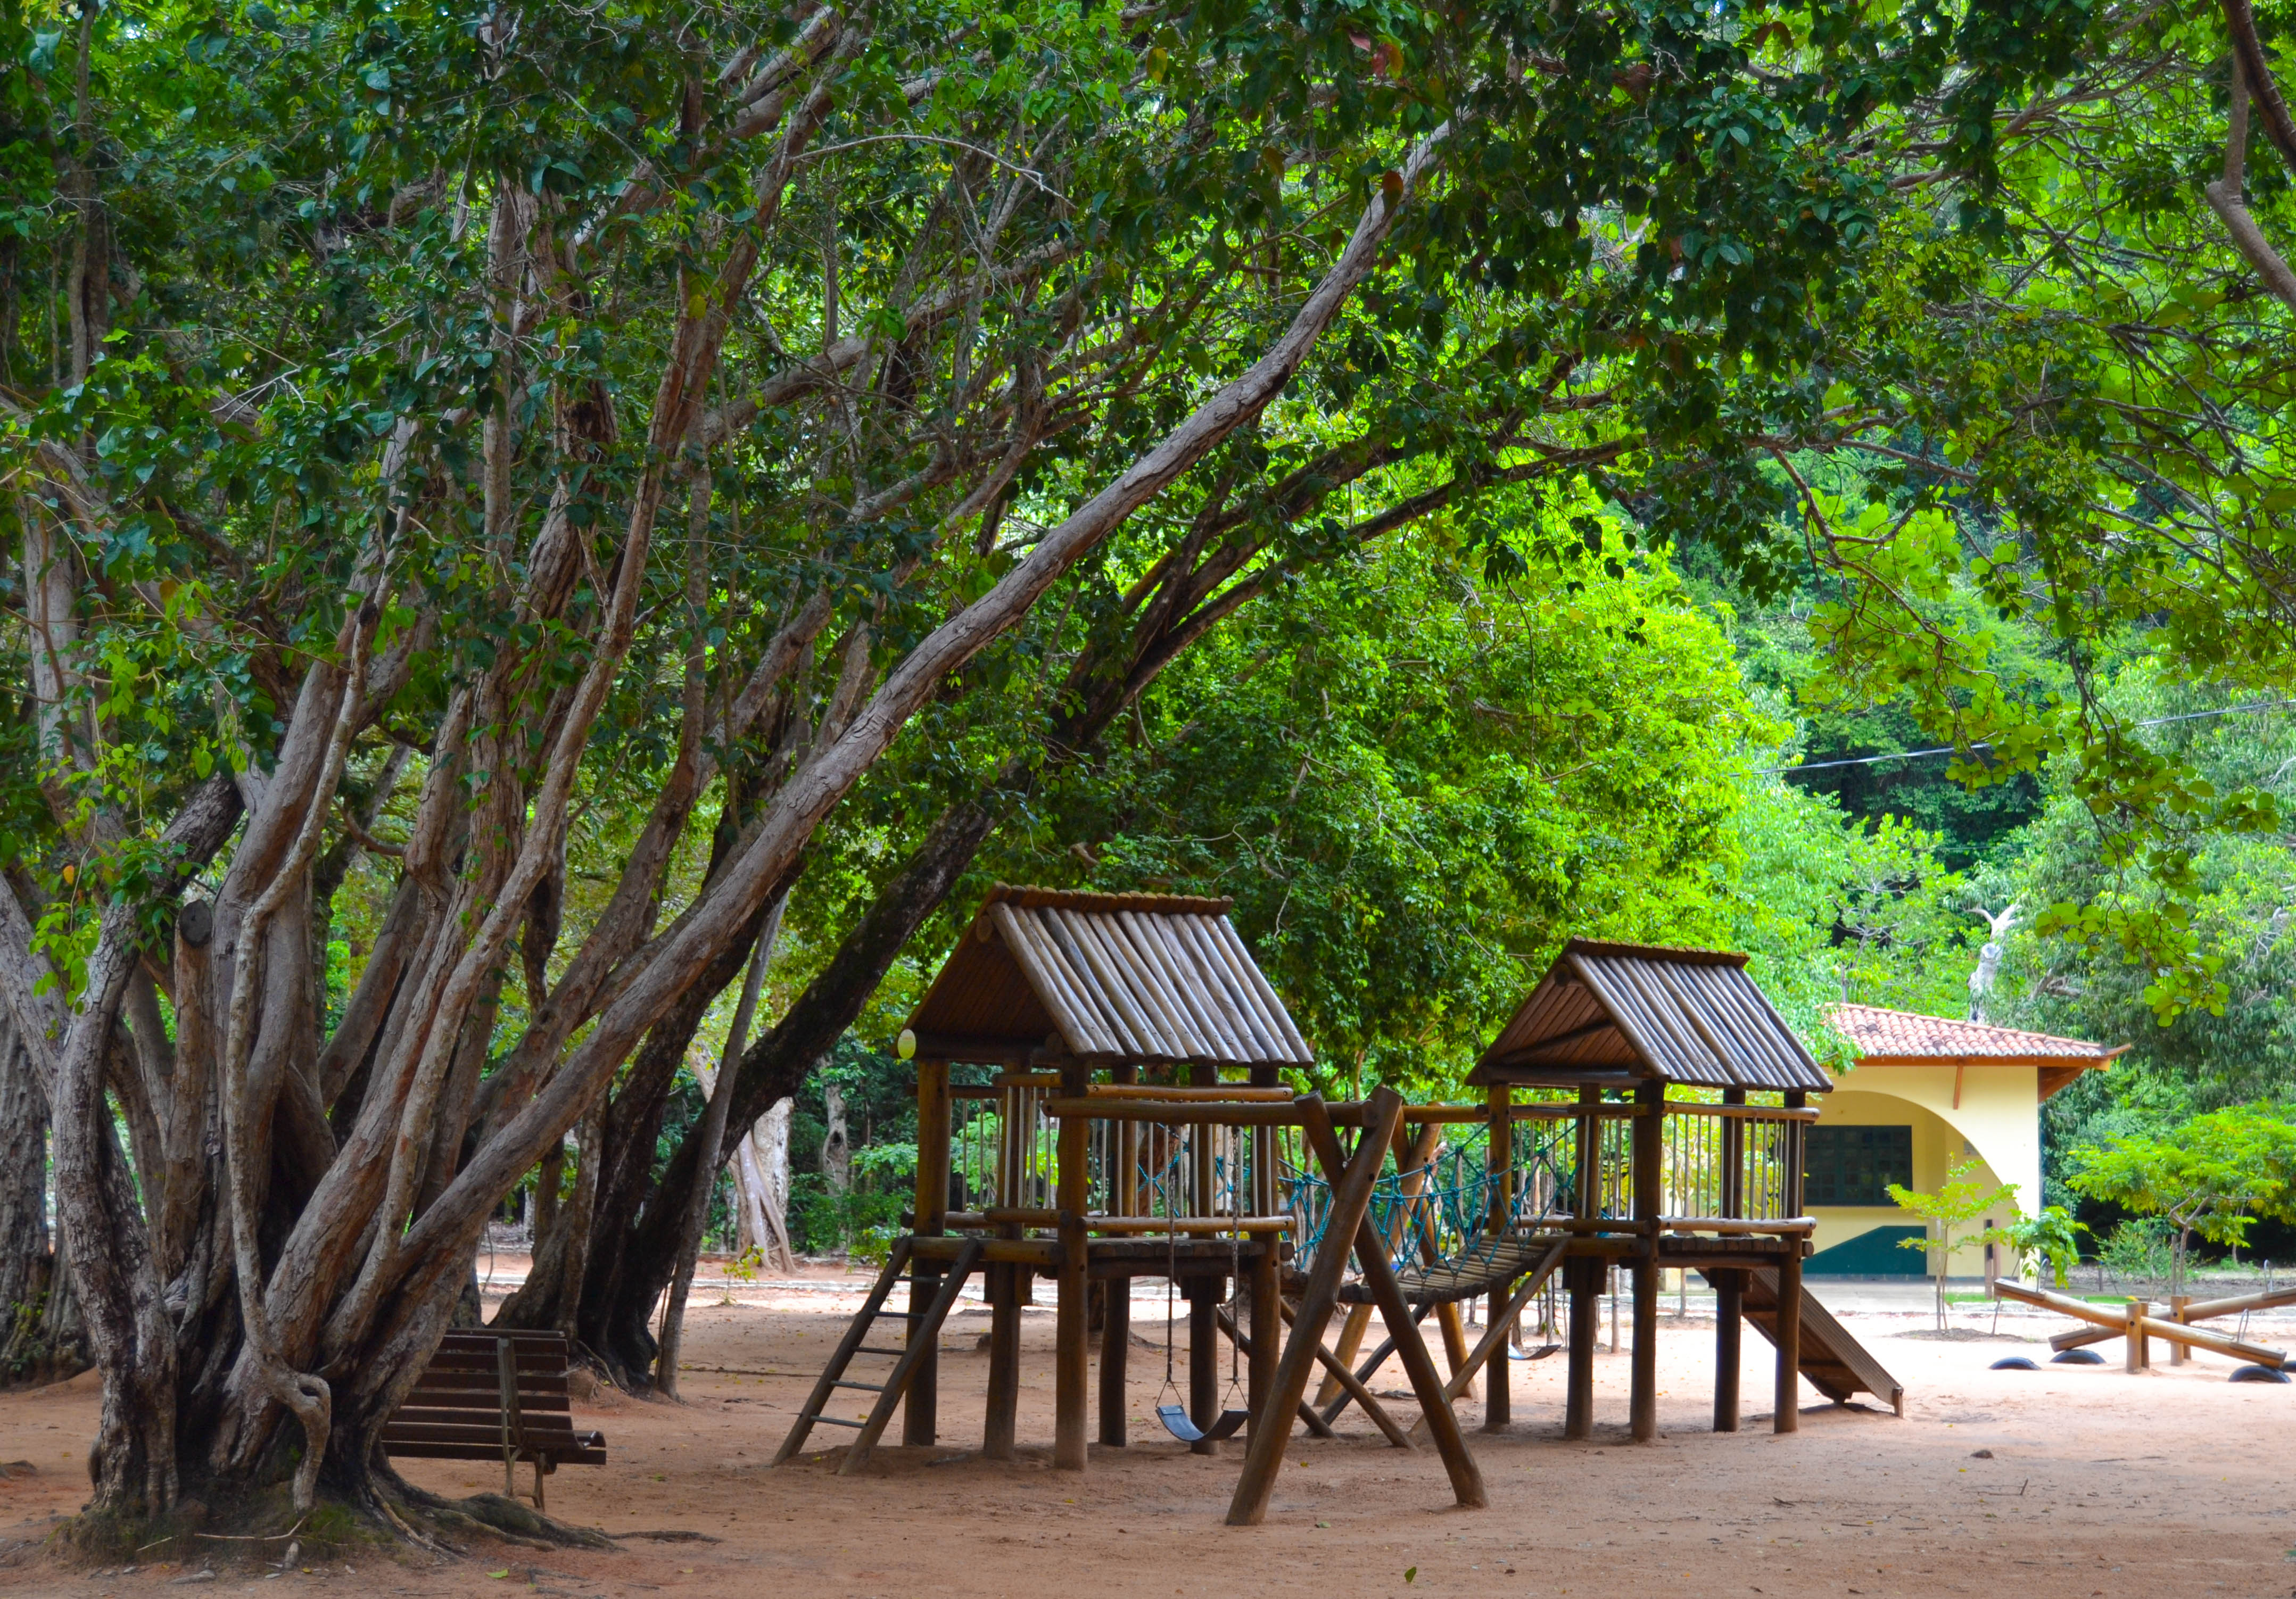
1201,1159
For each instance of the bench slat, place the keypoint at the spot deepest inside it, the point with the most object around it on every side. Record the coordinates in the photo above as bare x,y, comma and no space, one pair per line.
491,1420
581,1455
455,1411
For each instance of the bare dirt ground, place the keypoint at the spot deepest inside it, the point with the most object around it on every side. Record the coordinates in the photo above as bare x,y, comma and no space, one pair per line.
2069,1480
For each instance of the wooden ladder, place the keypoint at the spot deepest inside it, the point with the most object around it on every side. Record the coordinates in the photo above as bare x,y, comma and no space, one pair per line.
923,1332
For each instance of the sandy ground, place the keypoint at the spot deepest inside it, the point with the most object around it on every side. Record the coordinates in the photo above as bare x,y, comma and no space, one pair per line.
2068,1480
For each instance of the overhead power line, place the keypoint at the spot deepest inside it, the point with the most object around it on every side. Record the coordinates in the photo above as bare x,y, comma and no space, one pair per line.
1875,760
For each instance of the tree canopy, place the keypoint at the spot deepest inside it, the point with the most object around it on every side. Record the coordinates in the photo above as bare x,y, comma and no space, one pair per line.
515,508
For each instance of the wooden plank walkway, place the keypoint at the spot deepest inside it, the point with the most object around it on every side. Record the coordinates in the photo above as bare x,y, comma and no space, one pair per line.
1478,1271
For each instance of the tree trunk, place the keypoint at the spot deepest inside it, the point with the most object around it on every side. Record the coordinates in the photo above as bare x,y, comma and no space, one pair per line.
761,1189
23,1184
720,1089
836,1144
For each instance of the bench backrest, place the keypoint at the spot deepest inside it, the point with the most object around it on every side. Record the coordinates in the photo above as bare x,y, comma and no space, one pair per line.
460,1407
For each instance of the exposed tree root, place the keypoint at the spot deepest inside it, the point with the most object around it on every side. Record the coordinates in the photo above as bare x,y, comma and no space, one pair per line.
494,1515
258,1529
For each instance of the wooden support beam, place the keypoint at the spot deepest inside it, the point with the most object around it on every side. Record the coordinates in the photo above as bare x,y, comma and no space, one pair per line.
920,1406
1729,1328
1646,1151
1115,1352
1788,1417
1788,1414
1351,1345
1499,1395
1252,1348
1351,1384
1379,1276
1490,1351
1351,1184
1370,1364
1072,1337
1585,1306
1116,1320
1455,1338
997,1430
1266,1346
1204,1295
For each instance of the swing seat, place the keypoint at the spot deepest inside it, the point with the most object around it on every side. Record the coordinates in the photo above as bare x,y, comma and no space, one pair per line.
1176,1421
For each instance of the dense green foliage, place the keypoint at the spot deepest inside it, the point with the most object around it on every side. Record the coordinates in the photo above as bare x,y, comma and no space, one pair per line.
1419,472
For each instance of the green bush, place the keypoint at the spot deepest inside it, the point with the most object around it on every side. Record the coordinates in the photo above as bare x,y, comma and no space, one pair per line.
824,1223
2139,1247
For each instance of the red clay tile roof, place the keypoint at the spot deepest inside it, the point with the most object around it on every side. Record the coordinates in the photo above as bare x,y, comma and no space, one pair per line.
1902,1035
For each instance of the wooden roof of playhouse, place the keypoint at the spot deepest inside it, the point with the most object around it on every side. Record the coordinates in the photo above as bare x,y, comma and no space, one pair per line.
1887,1037
1151,978
1606,1012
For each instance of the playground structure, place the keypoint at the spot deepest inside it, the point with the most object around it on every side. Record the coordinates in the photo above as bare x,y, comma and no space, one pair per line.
1110,1146
2136,1324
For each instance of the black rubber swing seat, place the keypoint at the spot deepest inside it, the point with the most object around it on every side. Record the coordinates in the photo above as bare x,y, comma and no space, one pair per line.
1176,1421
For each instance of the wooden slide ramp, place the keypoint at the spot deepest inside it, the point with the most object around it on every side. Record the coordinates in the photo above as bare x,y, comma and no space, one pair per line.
1836,1363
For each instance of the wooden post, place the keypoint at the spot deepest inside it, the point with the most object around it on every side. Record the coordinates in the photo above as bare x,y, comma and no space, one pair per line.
1788,1417
1351,1345
1115,1347
1266,1331
1454,1340
2140,1351
1116,1324
1729,1321
1498,1160
997,1433
1073,1336
1351,1186
1730,1286
1583,1273
920,1405
1649,1132
1203,1295
2178,1353
1733,1161
1267,1270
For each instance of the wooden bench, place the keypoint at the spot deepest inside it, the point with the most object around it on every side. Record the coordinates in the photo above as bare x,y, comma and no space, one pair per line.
490,1395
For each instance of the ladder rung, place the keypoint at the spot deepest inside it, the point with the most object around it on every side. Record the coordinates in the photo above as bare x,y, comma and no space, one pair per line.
839,1422
872,1350
905,1316
874,1387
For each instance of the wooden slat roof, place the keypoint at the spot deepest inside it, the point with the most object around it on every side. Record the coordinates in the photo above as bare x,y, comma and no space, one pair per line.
1147,978
1682,1015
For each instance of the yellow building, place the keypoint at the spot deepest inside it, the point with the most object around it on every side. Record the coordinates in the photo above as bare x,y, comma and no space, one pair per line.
1927,1093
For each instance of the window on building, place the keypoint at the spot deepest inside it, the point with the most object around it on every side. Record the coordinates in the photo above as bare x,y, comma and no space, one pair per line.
1855,1166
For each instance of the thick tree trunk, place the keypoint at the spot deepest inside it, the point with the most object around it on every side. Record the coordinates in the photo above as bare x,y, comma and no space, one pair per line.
24,1182
761,1190
774,1066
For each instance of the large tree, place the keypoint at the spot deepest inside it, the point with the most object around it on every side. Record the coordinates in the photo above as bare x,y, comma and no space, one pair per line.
431,428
